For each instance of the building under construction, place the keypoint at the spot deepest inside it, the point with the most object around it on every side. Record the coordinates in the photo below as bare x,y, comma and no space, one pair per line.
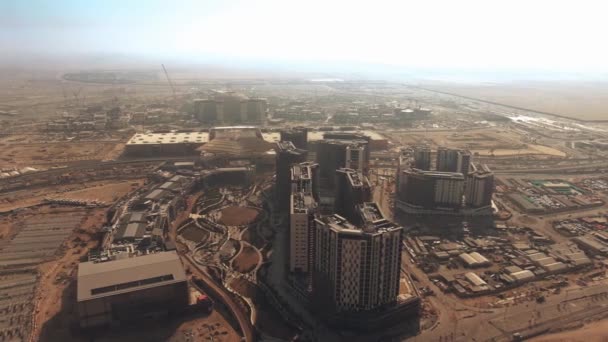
227,107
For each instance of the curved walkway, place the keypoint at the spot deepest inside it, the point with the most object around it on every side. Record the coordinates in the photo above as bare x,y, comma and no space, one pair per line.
219,293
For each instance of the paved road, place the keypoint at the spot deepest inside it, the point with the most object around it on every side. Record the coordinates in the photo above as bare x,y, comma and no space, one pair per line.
217,292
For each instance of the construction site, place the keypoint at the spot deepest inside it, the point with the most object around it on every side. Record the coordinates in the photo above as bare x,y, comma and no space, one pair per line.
101,167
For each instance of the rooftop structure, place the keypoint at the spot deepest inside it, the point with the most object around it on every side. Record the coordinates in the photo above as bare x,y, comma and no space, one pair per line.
305,177
169,138
103,279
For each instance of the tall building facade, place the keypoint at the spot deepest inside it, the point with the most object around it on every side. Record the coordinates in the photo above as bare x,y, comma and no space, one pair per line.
356,268
463,162
336,154
352,189
453,160
358,137
455,188
253,110
297,135
209,111
446,160
431,189
305,178
422,157
301,231
286,155
479,188
227,107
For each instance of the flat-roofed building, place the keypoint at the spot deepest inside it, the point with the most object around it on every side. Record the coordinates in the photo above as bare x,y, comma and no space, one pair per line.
591,245
130,289
130,232
165,143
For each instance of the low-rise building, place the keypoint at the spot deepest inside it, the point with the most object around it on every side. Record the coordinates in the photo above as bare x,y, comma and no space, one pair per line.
129,289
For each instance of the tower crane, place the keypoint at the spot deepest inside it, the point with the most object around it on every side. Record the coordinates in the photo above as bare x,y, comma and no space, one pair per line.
169,81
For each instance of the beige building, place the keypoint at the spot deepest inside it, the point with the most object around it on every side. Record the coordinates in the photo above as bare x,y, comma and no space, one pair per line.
228,107
130,289
301,221
357,268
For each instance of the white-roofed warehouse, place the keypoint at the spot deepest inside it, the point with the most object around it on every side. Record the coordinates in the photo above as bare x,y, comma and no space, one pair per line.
474,260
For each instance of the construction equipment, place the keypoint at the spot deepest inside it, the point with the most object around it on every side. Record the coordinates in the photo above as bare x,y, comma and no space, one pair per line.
169,80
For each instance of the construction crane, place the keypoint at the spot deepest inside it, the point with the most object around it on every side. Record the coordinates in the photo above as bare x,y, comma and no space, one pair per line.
169,80
76,94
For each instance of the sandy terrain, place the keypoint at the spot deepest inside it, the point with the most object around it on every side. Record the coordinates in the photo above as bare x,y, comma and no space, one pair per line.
593,332
57,278
237,216
483,142
246,260
577,100
21,155
104,191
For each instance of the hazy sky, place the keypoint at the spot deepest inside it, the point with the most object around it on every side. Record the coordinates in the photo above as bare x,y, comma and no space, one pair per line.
425,33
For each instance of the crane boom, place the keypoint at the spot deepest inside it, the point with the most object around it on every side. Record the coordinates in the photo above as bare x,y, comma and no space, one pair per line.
169,81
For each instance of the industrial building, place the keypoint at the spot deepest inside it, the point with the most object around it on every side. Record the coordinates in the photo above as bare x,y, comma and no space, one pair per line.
165,143
474,259
130,289
591,245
